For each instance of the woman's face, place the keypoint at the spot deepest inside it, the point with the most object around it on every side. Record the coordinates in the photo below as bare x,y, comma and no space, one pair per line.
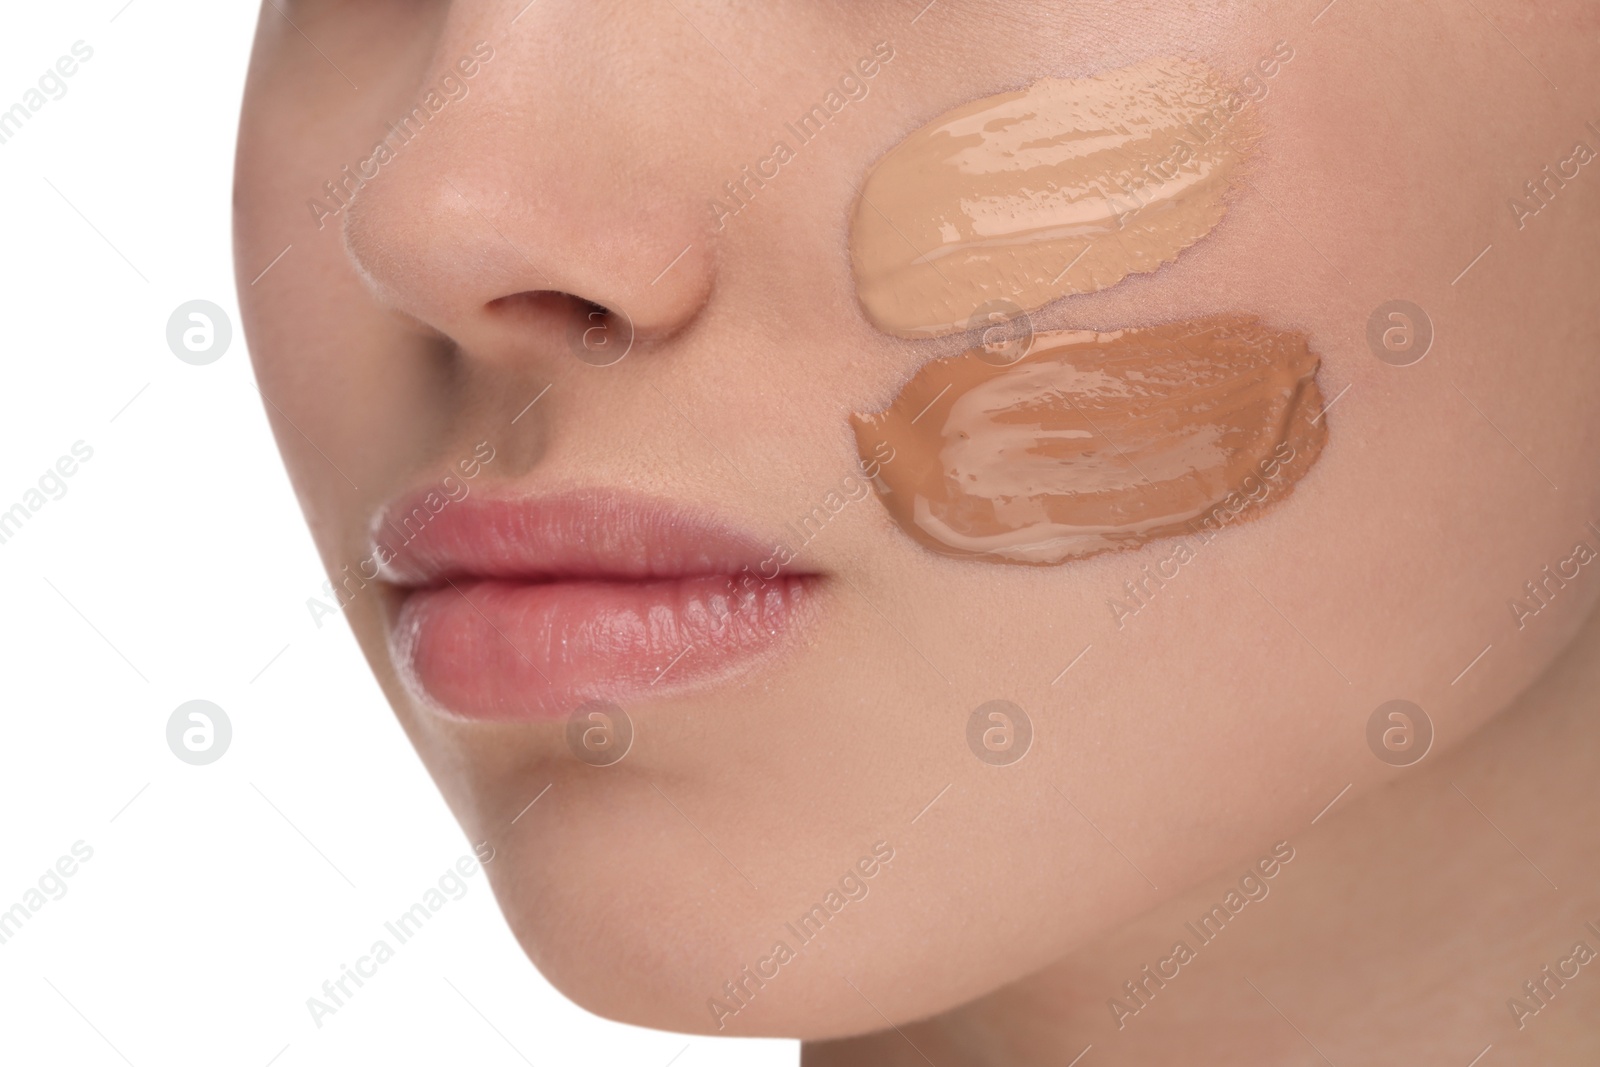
524,528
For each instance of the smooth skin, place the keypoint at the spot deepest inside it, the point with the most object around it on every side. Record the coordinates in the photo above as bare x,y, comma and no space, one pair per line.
1220,719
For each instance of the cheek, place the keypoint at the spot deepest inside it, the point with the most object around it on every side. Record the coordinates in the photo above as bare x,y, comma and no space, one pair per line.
1445,486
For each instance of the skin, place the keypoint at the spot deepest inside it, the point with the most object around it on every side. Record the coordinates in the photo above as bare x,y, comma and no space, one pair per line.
1219,720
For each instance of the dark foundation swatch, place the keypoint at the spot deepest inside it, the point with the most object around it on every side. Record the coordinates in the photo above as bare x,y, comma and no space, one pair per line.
1096,441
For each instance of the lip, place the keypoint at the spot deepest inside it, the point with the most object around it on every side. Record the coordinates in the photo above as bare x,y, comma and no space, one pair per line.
527,608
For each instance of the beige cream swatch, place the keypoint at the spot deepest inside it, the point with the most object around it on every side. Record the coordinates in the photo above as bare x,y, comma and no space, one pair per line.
1067,186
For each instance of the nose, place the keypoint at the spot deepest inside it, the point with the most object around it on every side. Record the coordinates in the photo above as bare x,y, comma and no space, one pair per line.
535,204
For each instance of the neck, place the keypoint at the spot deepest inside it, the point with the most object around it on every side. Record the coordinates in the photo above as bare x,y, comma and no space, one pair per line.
1453,909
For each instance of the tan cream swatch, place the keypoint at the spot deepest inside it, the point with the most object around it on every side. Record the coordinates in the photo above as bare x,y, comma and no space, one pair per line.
1094,441
1067,186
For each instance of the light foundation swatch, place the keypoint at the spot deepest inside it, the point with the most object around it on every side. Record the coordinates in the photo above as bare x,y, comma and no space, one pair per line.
1065,187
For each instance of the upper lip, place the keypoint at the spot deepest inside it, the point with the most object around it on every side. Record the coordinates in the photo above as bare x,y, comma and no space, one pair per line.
575,536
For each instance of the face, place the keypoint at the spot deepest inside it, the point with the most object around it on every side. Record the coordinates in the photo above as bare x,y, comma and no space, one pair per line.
547,551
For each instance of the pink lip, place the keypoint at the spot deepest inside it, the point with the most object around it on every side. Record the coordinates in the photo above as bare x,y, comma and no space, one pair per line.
527,608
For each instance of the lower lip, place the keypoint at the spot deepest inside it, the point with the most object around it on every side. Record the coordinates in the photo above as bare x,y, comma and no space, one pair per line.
500,649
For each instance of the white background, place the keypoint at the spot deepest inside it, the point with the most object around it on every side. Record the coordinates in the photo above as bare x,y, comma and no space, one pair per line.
176,567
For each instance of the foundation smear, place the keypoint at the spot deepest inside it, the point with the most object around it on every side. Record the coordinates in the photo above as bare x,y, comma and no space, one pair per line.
1097,441
1068,186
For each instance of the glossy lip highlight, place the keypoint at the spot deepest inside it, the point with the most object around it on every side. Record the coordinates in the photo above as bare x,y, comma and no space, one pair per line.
523,609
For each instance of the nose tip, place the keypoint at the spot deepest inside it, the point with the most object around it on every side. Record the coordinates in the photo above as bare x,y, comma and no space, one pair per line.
507,273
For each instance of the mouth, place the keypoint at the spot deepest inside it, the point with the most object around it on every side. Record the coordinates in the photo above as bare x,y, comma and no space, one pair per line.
526,609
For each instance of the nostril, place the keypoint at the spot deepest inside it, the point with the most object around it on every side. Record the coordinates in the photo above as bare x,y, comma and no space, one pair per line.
545,304
594,333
